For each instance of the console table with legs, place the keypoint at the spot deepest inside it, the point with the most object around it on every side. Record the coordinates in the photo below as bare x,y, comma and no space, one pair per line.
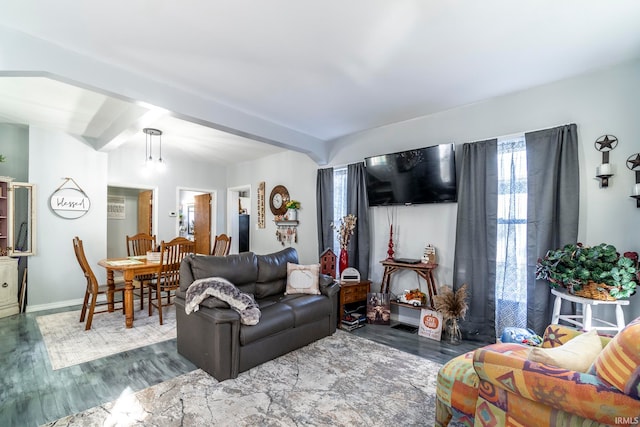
423,270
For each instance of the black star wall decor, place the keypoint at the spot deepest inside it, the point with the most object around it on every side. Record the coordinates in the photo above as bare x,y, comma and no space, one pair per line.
604,144
633,162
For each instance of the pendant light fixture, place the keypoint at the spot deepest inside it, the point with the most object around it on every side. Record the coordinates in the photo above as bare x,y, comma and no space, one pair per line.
159,165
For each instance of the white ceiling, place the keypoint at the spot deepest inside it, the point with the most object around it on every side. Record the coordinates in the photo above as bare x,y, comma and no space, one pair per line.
292,73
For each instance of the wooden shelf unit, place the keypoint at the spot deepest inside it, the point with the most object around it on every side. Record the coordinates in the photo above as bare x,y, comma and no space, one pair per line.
352,292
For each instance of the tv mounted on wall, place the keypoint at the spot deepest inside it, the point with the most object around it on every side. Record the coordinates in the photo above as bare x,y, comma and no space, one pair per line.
423,175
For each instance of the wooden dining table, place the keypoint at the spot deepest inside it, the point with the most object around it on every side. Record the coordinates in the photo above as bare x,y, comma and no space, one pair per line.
130,268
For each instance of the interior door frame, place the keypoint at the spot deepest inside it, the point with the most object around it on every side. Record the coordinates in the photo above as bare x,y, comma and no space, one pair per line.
214,208
233,227
154,198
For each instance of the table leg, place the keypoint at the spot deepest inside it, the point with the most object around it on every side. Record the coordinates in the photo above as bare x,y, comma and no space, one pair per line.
110,286
586,312
128,300
386,277
557,304
431,286
619,317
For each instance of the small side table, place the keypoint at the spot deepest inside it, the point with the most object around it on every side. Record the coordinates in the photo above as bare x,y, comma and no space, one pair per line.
422,270
586,320
352,292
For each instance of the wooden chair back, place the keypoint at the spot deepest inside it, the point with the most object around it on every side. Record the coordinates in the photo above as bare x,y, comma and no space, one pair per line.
93,288
171,255
92,282
168,276
221,245
140,243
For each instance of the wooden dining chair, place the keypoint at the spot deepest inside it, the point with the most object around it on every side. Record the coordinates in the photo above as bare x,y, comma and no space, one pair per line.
138,245
221,245
93,289
168,275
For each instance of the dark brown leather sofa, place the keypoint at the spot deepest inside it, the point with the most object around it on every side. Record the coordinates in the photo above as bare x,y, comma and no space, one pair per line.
213,337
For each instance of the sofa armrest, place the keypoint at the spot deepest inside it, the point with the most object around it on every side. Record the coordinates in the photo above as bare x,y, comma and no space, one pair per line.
210,338
570,391
328,286
221,315
216,313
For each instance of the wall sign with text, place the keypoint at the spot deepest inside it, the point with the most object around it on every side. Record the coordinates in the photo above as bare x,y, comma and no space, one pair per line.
69,202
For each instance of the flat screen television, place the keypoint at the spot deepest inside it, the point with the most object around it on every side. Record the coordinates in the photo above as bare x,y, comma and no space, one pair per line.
423,175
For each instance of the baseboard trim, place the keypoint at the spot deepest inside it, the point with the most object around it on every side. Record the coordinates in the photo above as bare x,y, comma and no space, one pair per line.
50,306
62,304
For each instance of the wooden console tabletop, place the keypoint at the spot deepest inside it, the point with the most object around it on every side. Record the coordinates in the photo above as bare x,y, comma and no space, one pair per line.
422,270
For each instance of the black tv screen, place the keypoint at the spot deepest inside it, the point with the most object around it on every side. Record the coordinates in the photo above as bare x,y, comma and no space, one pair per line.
424,175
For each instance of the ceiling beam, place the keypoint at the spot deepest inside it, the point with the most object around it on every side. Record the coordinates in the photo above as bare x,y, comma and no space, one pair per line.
24,55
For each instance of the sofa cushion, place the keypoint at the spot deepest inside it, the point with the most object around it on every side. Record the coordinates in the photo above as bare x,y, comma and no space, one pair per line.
308,308
576,355
275,318
272,272
556,335
302,279
270,300
240,269
619,362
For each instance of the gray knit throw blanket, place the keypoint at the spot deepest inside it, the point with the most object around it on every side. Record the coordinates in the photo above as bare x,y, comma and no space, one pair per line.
226,291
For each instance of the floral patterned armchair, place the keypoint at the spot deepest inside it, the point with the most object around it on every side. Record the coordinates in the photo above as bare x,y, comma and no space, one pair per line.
499,385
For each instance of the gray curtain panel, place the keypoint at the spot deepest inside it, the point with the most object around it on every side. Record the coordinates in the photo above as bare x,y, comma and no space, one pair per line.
552,209
324,207
358,204
553,190
476,235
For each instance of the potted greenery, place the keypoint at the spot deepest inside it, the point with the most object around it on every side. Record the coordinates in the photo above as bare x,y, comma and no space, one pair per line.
597,272
292,210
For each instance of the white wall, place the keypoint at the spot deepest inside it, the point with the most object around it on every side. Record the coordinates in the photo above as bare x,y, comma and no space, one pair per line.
125,168
14,146
298,174
127,226
54,278
54,274
606,102
603,102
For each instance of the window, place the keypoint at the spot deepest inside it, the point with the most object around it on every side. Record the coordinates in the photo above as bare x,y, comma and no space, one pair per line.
339,201
511,250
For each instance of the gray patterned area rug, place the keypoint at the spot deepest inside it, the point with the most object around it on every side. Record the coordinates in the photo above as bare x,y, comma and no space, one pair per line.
342,380
69,344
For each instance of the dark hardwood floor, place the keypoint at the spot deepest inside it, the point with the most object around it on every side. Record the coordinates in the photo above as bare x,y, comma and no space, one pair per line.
437,351
31,393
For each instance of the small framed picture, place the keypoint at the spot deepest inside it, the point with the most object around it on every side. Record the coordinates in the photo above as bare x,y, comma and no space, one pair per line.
378,308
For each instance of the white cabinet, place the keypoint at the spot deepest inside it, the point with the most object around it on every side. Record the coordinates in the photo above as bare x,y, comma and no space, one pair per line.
17,218
17,238
8,286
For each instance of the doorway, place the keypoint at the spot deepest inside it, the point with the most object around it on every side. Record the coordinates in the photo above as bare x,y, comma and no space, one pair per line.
197,217
239,217
126,216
